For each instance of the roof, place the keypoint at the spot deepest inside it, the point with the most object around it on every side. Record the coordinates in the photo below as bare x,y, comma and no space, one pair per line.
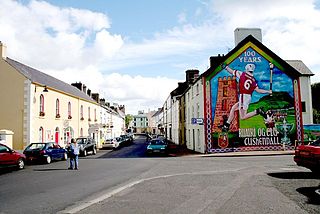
158,112
41,78
300,66
288,69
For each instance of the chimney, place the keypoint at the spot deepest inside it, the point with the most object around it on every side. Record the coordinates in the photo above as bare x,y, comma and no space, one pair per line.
89,92
241,33
77,85
122,108
191,76
102,101
84,88
95,96
3,50
216,60
108,104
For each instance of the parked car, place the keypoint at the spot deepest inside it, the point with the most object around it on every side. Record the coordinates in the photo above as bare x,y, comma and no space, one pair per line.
126,139
113,143
87,145
309,156
11,158
45,152
159,146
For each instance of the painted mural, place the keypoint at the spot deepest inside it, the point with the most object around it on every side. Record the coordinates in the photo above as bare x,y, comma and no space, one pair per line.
251,104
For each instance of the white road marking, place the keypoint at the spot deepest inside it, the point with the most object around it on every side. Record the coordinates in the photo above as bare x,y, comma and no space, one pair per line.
85,204
317,191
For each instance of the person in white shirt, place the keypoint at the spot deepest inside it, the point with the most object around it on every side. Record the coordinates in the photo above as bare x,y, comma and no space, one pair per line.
74,155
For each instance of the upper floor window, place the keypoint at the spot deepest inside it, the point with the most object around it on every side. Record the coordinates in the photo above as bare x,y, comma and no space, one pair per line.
57,108
89,119
81,112
69,110
95,115
41,105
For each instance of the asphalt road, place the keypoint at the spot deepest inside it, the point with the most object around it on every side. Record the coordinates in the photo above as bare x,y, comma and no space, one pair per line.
125,181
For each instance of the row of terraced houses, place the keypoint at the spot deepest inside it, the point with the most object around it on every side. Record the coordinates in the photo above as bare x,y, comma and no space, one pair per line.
37,107
202,113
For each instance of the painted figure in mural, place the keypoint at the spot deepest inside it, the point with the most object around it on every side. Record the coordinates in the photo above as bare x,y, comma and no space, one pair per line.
247,85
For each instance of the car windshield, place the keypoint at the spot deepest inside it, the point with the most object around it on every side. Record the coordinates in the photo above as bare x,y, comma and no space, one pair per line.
36,146
81,141
157,142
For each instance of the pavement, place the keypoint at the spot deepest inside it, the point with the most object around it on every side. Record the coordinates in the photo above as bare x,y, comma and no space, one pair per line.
178,151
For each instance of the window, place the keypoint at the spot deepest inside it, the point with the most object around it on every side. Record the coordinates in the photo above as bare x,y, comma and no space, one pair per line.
41,135
81,112
225,91
89,119
197,89
224,105
41,105
57,108
81,132
303,106
198,110
95,115
69,111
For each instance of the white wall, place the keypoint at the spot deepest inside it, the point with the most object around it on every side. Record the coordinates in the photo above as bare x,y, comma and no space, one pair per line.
305,91
195,138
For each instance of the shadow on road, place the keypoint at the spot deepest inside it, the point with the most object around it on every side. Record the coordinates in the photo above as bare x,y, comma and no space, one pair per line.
52,169
294,175
312,193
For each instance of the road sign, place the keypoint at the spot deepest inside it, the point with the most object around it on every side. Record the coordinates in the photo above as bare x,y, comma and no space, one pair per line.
198,121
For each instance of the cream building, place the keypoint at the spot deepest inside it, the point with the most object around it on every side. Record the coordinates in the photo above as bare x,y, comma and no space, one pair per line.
40,108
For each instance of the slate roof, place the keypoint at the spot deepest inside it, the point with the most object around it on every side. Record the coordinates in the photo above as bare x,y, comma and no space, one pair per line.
300,66
41,78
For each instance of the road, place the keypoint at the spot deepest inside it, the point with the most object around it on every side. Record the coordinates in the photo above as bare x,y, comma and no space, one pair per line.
128,182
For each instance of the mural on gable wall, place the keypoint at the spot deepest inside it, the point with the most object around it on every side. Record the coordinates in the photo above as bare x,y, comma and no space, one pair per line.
251,104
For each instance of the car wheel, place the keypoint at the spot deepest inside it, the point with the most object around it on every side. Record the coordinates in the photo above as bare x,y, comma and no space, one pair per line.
20,163
65,156
94,151
48,160
84,153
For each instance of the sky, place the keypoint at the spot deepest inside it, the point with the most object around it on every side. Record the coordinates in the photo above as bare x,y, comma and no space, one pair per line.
134,53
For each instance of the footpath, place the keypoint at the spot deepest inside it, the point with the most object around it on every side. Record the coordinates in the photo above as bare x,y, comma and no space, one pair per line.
178,151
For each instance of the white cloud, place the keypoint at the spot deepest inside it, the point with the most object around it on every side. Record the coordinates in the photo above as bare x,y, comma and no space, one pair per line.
69,42
135,92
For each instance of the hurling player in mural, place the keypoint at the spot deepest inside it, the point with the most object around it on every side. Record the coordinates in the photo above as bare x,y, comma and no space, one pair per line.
247,85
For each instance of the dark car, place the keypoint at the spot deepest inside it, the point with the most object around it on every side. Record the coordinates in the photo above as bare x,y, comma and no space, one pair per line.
45,152
159,146
11,158
87,145
308,156
126,139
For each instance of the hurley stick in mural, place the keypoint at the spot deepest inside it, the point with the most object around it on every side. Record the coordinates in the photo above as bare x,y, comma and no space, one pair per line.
247,84
271,71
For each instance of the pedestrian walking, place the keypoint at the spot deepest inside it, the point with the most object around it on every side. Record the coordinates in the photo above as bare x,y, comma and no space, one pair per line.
74,154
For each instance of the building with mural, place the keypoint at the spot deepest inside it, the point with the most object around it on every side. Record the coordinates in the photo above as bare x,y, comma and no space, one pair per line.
37,107
249,99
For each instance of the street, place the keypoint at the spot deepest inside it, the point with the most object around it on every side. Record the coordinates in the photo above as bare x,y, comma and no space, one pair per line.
126,181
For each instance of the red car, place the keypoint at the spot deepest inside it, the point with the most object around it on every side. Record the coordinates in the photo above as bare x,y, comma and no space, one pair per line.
309,156
11,158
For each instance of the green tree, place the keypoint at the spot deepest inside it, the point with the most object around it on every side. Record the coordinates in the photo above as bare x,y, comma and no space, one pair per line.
315,91
128,119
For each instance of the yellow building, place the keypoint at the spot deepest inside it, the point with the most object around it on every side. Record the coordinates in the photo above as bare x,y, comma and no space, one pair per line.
40,108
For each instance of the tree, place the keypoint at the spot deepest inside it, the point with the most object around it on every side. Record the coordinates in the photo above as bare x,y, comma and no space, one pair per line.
128,119
315,91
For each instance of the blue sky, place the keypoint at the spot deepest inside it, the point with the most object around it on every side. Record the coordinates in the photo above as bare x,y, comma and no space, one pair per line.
135,52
